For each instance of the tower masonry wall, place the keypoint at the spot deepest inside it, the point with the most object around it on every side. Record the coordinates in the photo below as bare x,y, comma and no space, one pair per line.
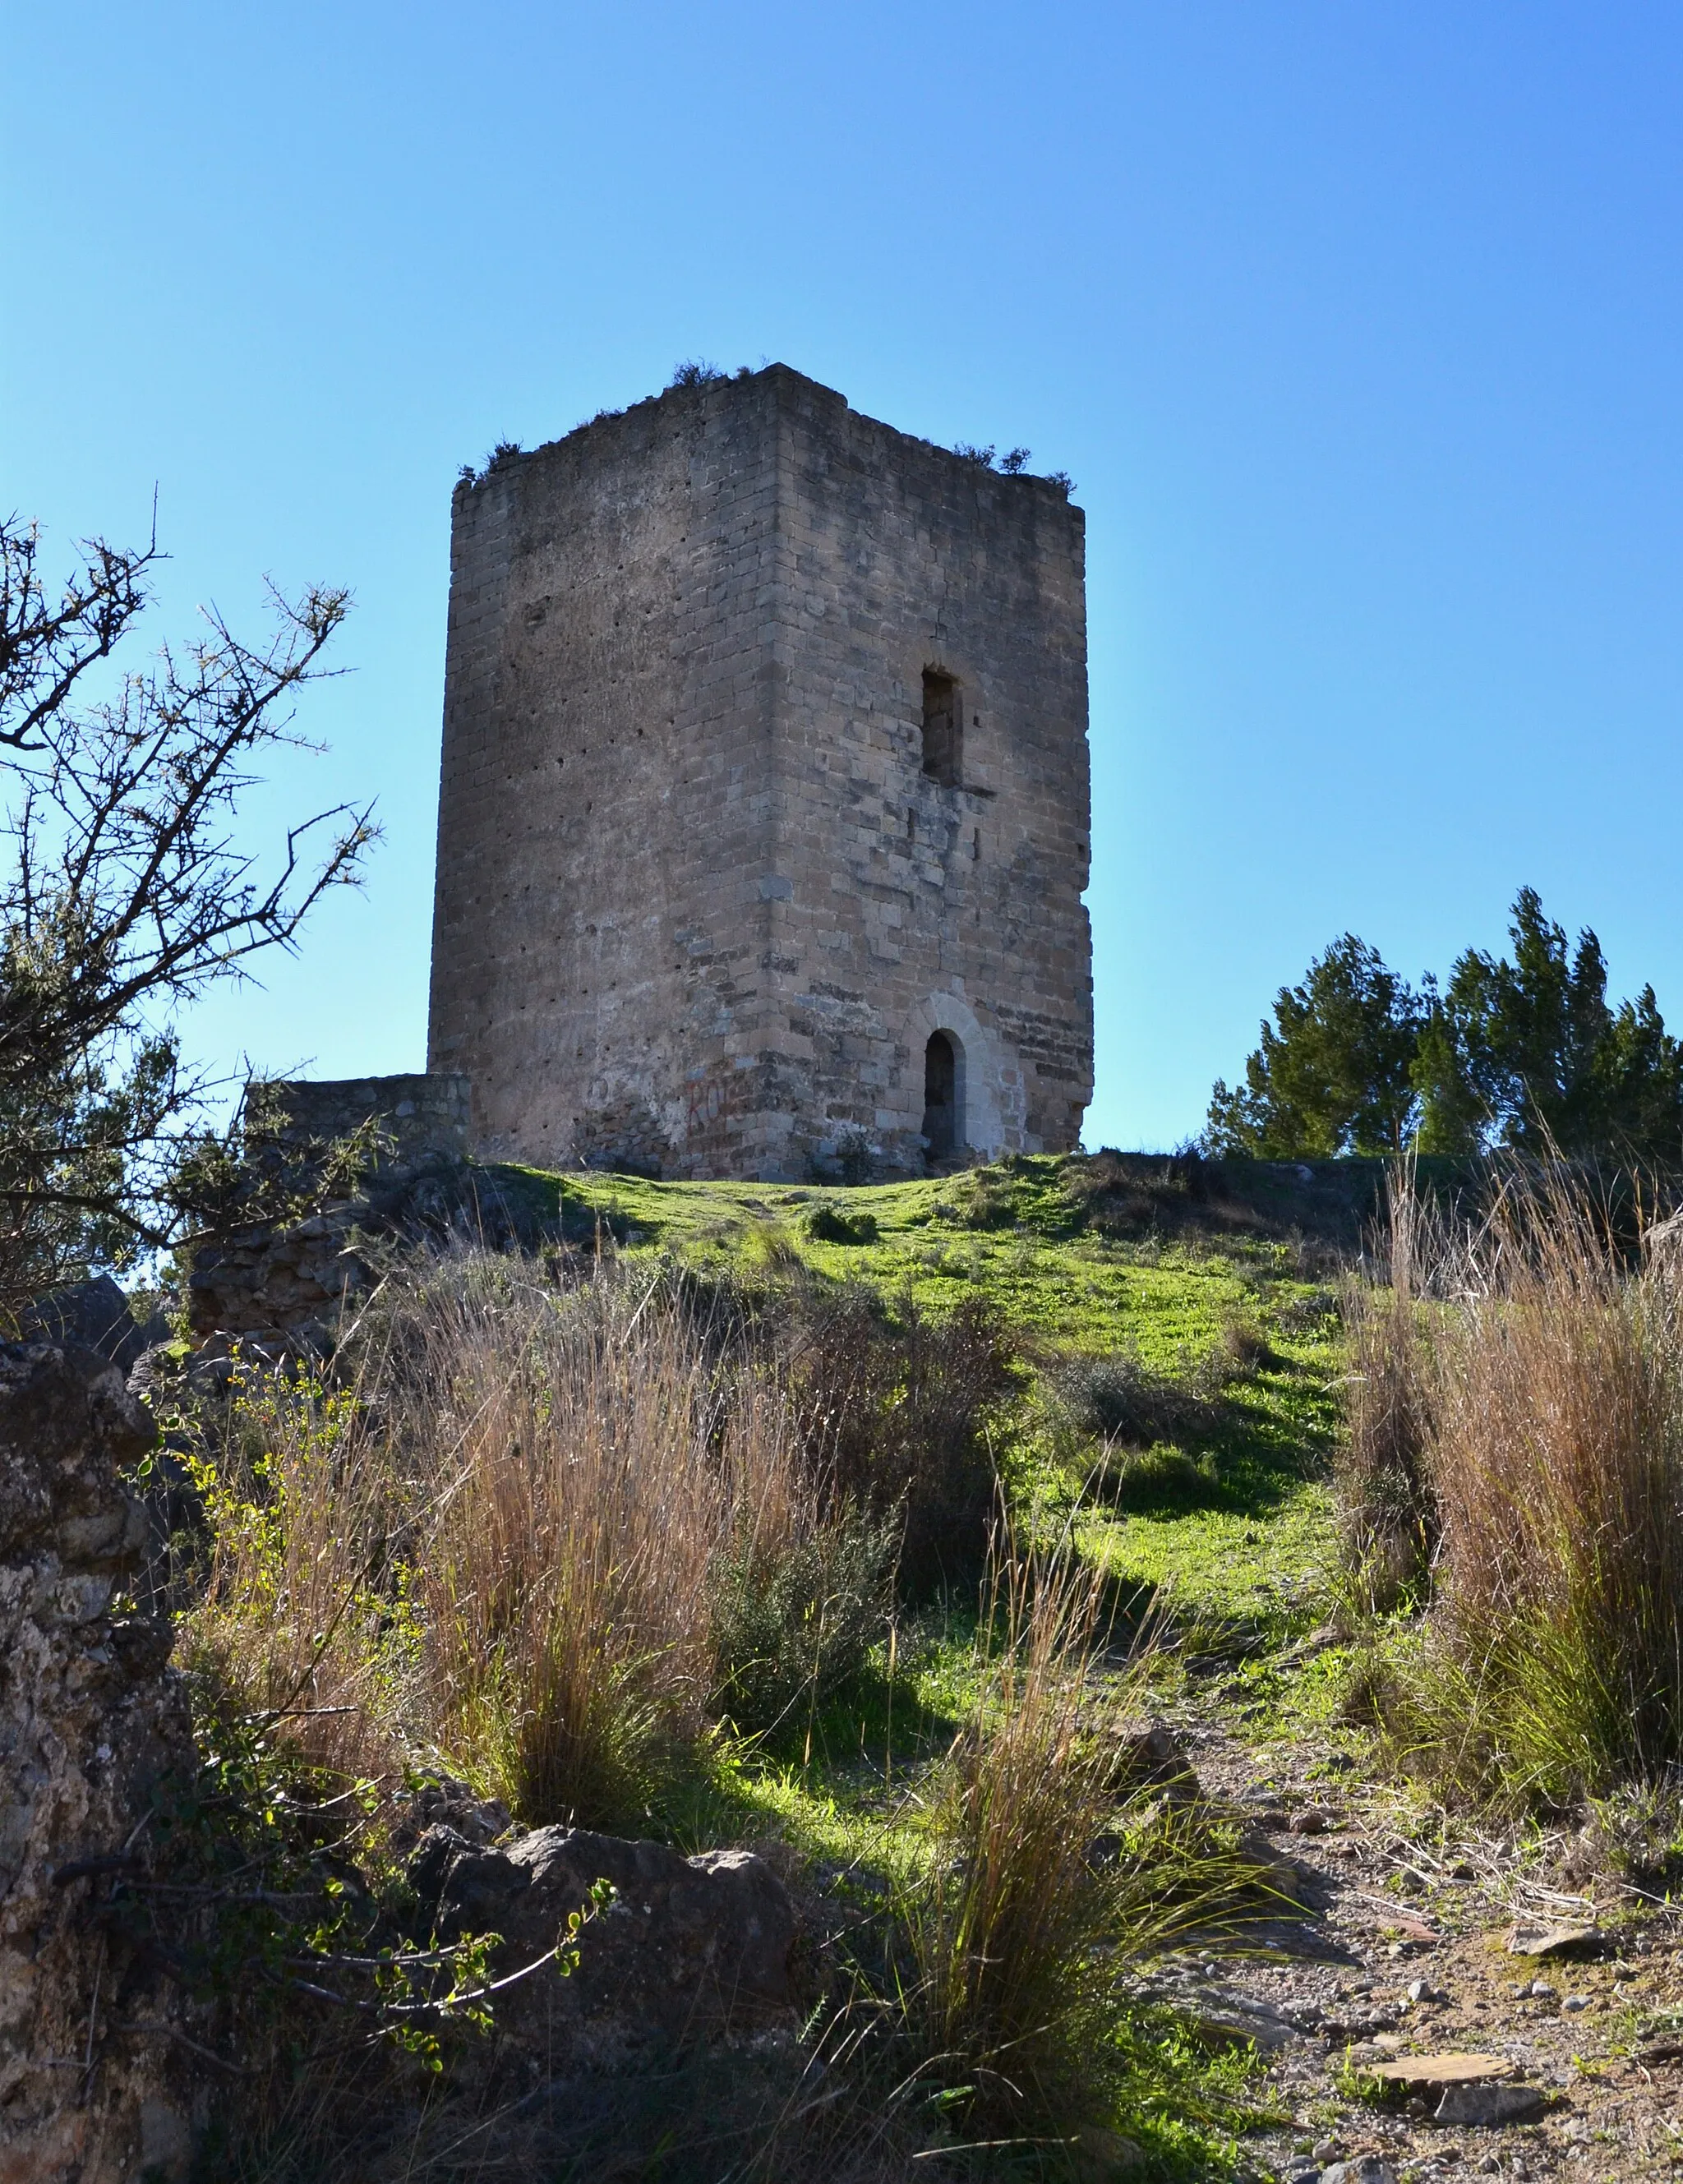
700,907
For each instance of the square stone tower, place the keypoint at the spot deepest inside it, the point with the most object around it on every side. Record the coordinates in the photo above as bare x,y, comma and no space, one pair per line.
763,825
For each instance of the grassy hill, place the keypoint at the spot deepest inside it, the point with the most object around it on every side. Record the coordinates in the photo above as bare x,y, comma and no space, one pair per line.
1180,1310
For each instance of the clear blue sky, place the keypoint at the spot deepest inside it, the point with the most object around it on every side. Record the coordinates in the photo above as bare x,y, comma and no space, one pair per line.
1356,325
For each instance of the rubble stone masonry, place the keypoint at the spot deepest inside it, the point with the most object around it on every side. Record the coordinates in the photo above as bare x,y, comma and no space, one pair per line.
765,766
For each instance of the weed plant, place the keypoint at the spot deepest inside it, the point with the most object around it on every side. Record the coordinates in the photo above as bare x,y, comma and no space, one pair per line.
1140,1437
791,1626
828,1224
982,1199
295,1603
899,1403
1124,1403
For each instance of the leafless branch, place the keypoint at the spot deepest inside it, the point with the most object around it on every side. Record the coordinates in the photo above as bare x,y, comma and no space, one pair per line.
128,890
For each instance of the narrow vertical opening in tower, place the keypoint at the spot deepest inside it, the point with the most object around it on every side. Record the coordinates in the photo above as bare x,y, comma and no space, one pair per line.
942,728
942,1121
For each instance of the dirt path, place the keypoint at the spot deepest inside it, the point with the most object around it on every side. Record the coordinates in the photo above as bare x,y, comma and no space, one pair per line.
1404,1953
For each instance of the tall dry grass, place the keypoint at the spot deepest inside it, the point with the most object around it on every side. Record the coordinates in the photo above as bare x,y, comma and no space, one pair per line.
593,1472
1386,1503
1052,1878
1551,1461
1004,1933
518,1535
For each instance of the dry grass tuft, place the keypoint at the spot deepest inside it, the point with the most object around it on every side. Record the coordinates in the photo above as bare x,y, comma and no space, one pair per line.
1387,1512
507,1538
1049,1883
1547,1455
1004,1934
593,1469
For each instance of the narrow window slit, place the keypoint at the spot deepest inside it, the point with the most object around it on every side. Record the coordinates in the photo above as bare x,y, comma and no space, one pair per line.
942,728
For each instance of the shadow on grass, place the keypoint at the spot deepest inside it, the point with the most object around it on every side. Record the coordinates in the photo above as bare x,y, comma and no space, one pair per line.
1238,1455
848,1747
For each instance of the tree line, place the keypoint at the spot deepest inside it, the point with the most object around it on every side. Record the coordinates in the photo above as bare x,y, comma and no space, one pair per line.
1523,1052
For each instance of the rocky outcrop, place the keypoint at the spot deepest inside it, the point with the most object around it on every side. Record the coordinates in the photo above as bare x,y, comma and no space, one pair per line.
94,1315
276,1291
686,1946
90,1719
281,1289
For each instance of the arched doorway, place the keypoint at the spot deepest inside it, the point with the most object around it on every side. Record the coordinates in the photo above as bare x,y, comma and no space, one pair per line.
943,1122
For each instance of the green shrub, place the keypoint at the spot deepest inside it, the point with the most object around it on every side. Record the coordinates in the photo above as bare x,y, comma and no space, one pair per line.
983,1198
293,1599
1121,1401
791,1626
1242,1349
265,1888
774,1253
828,1224
1313,1313
898,1404
1160,1476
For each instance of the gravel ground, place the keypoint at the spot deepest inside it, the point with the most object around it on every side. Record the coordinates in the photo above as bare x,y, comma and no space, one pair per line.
1405,1952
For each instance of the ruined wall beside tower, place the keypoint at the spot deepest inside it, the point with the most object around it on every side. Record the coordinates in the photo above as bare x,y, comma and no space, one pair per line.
700,907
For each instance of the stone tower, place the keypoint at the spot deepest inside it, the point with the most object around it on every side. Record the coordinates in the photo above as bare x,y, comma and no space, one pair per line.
763,822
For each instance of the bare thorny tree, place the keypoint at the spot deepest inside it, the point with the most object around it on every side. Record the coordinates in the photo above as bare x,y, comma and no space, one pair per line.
125,892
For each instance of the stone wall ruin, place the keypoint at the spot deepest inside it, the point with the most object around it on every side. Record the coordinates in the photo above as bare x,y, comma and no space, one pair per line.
92,2088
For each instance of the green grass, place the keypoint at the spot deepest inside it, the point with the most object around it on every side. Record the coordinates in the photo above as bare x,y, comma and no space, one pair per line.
1247,1545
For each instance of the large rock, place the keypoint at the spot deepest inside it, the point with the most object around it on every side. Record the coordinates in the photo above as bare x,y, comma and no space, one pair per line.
90,1718
1151,1757
1219,2014
1557,1940
94,1316
1418,2072
1489,2105
687,1946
